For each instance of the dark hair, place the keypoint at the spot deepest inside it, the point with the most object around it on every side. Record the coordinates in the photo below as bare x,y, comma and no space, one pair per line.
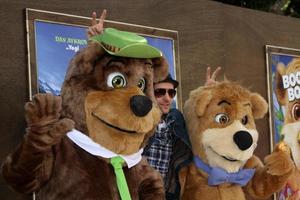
169,79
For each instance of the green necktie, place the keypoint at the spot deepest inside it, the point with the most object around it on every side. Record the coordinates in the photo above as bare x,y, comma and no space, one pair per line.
120,177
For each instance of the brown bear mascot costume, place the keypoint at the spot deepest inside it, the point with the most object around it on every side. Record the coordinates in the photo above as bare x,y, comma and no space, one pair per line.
220,121
87,144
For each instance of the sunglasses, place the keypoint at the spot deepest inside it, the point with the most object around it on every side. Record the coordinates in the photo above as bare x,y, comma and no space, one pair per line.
160,92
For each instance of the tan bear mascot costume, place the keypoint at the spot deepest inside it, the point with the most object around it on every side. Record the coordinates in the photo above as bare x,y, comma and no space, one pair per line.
220,122
88,143
291,126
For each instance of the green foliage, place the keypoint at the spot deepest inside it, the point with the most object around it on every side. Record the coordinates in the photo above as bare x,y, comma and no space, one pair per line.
282,7
252,4
279,115
292,8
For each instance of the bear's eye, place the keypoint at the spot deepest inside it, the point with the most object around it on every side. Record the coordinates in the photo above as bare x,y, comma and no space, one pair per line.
245,120
222,118
116,80
296,111
142,84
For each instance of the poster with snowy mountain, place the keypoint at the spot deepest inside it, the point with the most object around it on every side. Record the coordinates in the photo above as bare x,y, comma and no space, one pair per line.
56,44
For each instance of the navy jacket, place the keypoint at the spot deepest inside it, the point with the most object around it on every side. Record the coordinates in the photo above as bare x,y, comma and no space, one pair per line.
181,156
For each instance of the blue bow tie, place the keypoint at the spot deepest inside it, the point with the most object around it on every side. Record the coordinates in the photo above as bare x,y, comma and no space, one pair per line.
217,176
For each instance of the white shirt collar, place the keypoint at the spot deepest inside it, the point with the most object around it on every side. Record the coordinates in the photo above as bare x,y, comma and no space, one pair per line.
96,149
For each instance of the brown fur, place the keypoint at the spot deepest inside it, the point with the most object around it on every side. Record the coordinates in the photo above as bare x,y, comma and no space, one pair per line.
200,110
196,122
289,119
50,164
116,112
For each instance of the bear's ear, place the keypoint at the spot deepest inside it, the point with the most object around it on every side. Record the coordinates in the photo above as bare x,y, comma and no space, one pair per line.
160,69
203,99
279,90
259,106
198,101
83,62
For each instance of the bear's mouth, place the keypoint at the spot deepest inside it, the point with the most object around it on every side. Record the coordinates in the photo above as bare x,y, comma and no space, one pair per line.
112,126
229,159
225,157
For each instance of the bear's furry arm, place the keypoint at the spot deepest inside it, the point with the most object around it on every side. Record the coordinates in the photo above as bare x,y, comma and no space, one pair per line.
26,169
30,165
268,178
151,186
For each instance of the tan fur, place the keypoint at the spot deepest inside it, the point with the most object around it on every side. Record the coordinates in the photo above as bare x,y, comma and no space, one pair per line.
117,113
212,140
259,106
291,127
196,187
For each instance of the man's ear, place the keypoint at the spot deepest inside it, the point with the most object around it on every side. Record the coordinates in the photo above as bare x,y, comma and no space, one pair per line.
160,69
279,90
259,106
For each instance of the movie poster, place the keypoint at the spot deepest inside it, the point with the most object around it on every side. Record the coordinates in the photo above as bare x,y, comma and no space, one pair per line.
284,85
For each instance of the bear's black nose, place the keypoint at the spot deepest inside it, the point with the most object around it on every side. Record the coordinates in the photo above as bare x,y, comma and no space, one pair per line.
140,105
243,140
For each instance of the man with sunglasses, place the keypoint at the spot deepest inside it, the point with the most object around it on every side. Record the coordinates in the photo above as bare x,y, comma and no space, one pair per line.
170,137
169,148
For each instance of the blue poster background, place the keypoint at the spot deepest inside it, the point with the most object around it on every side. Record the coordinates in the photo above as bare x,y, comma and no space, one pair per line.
56,44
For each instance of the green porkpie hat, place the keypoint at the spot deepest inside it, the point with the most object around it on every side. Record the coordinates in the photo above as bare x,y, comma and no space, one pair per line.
125,44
